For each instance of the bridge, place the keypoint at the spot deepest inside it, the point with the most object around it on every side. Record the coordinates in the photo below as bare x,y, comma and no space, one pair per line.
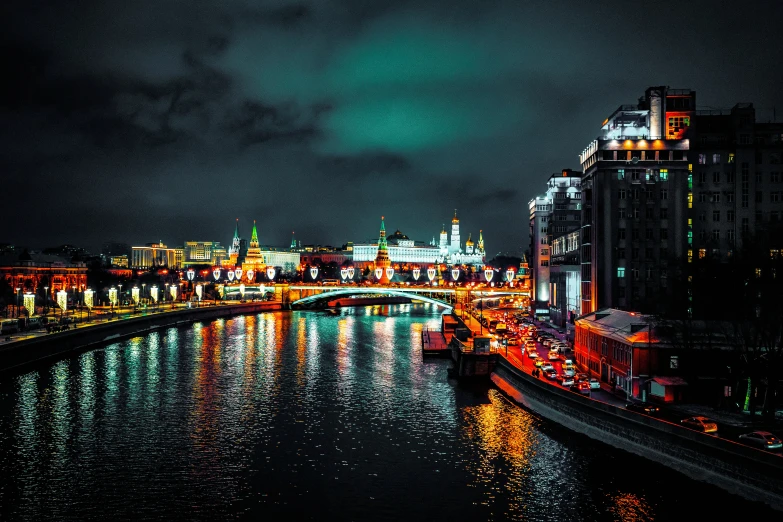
447,297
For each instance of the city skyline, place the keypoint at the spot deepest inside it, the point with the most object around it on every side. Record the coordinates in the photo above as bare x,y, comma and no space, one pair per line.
157,122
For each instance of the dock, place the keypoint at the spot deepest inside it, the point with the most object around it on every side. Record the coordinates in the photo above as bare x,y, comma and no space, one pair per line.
433,343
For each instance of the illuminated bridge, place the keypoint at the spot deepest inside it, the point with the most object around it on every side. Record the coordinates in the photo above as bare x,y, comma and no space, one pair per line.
310,295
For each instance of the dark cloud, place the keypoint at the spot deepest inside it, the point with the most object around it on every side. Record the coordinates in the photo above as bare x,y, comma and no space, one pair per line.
166,119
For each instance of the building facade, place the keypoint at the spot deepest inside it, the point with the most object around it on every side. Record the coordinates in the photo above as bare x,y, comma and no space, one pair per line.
154,255
203,253
33,273
637,203
737,178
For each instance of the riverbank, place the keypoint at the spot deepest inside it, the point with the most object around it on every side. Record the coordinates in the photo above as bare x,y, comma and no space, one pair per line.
24,352
745,471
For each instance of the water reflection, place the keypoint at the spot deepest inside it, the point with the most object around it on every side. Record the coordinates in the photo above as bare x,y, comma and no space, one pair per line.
300,416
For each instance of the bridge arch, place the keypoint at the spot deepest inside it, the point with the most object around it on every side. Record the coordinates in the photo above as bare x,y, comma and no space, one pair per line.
328,295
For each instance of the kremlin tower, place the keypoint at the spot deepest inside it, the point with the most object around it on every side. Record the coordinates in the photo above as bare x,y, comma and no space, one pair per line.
382,258
233,250
254,260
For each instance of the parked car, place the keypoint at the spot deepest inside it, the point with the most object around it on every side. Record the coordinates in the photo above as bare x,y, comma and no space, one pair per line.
595,384
761,439
643,408
581,387
700,423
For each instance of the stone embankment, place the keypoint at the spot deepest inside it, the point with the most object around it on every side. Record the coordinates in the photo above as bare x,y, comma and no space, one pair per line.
15,355
742,470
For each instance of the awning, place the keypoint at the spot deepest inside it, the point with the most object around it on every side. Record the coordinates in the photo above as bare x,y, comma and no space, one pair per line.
670,381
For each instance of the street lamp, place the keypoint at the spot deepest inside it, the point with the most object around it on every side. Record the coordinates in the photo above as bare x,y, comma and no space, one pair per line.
73,300
143,294
120,305
17,301
46,301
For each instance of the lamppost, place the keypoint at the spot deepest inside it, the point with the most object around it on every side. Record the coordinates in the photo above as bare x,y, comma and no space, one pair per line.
142,292
73,300
46,302
120,305
17,301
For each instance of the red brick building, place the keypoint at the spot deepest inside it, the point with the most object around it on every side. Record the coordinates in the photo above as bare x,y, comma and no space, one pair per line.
32,272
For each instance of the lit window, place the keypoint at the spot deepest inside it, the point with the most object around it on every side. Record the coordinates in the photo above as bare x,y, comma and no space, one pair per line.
621,174
702,253
758,272
620,271
664,174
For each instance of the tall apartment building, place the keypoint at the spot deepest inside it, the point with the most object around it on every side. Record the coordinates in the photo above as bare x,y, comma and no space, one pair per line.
540,212
551,215
637,203
737,178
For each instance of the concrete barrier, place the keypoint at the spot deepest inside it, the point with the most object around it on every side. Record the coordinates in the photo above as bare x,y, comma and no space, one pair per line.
739,469
16,355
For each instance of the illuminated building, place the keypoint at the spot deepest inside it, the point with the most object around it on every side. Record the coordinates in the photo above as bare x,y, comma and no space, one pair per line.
235,248
203,253
552,215
636,202
33,272
382,260
119,261
154,255
406,251
253,260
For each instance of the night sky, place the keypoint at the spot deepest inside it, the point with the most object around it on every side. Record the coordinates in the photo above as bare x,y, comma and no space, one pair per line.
141,120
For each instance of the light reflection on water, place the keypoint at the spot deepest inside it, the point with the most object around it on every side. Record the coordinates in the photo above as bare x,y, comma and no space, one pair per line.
304,415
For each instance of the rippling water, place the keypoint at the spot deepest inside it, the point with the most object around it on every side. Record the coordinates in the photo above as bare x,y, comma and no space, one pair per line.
306,415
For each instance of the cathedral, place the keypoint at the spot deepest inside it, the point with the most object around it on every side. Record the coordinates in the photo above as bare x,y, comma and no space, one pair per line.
451,253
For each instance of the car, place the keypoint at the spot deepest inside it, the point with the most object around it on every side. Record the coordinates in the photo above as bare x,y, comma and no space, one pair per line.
700,423
551,375
532,354
547,367
581,387
553,355
539,362
569,372
567,381
513,341
761,439
643,408
595,384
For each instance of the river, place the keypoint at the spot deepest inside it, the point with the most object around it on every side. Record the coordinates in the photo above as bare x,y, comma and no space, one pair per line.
307,416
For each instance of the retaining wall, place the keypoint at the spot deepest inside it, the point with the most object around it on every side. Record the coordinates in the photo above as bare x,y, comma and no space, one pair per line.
16,355
739,469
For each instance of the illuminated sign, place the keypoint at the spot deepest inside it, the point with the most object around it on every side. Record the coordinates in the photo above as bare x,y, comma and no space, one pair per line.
314,272
416,273
431,273
455,273
191,274
378,273
238,273
135,293
154,293
270,272
216,274
488,273
250,275
389,273
230,275
510,274
343,272
350,272
113,296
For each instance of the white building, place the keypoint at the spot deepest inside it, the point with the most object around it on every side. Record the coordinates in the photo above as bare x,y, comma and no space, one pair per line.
154,255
